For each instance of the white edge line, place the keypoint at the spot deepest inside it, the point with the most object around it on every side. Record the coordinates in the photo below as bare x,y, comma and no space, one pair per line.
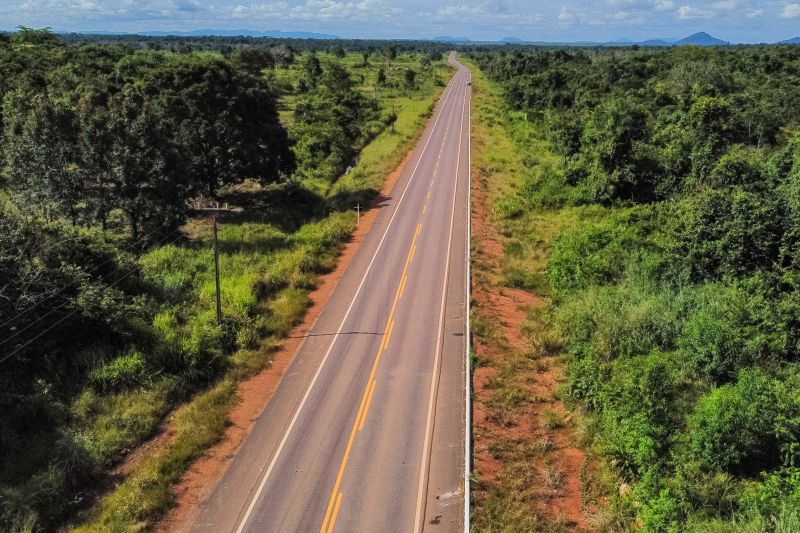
256,496
421,492
468,348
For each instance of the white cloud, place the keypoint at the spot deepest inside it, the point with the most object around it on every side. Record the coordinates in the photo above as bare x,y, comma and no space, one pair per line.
727,5
565,16
628,3
691,13
580,17
496,12
791,11
567,20
322,10
630,18
52,12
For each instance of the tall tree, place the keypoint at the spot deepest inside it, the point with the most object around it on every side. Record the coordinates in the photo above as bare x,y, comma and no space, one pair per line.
227,126
151,177
41,153
312,70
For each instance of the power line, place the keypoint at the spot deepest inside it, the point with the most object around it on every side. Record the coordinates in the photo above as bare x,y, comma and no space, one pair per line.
65,317
65,287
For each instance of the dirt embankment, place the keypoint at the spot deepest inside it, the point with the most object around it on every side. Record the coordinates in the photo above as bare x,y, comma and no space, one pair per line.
522,435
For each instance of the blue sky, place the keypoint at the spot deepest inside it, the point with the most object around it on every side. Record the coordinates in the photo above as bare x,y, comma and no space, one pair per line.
734,20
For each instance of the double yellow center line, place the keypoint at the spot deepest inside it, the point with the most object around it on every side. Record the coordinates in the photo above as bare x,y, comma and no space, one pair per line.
366,399
435,170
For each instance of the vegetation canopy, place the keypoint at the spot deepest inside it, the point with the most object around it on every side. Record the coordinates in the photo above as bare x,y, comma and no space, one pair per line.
673,273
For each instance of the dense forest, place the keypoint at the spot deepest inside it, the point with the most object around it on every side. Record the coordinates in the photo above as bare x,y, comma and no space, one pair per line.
107,319
228,44
673,279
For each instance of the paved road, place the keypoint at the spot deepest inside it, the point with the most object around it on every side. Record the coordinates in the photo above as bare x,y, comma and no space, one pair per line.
366,430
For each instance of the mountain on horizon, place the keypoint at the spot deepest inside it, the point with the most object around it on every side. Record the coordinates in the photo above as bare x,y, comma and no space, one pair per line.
451,39
696,39
656,42
241,33
701,39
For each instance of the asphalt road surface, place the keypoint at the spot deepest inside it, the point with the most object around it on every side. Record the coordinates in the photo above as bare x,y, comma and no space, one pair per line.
365,433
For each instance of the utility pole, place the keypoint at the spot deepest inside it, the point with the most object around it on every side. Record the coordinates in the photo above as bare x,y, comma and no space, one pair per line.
216,269
214,211
358,214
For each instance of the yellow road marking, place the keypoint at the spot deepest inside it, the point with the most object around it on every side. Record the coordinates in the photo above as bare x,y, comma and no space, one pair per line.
424,207
335,511
403,285
336,496
361,408
388,335
429,194
366,407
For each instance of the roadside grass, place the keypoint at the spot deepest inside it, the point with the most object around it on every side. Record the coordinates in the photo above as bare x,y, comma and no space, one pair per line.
270,259
529,222
509,503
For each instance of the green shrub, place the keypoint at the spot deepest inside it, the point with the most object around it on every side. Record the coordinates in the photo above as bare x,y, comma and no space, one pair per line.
739,167
732,427
787,520
706,494
774,491
123,372
73,455
659,514
642,413
730,327
124,419
621,321
727,232
601,252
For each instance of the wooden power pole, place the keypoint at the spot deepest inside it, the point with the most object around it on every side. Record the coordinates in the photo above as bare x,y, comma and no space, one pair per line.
214,211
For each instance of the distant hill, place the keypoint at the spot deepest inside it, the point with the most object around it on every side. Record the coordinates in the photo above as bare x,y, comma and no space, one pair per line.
697,39
793,40
243,33
450,39
655,42
701,39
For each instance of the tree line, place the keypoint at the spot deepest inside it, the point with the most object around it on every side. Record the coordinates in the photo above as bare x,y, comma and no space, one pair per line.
229,44
89,131
677,294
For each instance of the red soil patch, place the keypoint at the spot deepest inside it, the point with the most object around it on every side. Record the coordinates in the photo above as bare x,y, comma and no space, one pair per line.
507,308
254,393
